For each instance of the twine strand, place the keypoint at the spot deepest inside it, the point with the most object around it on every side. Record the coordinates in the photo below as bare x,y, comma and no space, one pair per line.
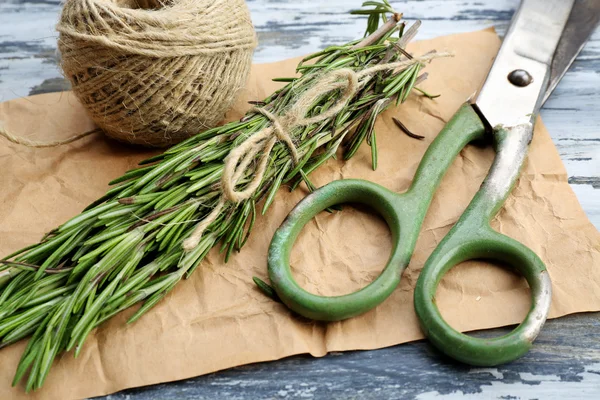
192,242
280,132
263,141
39,144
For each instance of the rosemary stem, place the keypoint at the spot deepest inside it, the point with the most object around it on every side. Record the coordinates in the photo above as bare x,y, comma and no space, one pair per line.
379,33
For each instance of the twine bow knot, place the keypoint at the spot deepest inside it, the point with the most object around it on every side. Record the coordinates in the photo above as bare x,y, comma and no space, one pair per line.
237,162
281,127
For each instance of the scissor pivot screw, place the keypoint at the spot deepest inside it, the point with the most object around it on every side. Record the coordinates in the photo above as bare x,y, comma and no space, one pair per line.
520,77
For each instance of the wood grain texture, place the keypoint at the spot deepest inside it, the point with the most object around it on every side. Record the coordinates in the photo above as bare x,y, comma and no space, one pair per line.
565,363
558,367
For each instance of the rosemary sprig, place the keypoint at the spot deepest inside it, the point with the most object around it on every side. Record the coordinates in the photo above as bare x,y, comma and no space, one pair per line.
126,247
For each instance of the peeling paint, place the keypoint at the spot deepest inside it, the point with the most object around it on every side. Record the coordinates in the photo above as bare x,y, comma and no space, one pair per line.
532,386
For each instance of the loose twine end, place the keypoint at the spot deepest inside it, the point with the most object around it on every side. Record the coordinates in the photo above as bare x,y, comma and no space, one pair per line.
237,162
193,240
39,144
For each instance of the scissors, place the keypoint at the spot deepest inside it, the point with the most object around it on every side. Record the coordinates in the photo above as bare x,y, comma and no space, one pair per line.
544,38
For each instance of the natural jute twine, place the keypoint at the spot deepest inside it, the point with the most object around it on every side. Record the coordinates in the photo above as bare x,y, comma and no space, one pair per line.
39,144
155,72
347,81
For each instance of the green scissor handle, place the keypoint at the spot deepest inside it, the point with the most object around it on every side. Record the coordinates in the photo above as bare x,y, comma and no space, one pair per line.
404,214
336,308
473,238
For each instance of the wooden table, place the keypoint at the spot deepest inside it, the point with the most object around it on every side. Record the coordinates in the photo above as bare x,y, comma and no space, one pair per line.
564,363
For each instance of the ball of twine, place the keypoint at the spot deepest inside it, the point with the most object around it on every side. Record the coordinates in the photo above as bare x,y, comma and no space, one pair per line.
155,72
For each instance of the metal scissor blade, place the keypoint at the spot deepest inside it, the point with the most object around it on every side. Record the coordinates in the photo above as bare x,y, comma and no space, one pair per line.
582,22
513,90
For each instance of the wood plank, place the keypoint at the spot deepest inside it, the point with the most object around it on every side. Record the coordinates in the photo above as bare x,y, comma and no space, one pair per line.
564,363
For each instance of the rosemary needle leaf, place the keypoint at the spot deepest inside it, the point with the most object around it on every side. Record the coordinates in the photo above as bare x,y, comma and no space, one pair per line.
412,82
275,187
405,129
428,95
284,79
374,151
266,289
147,306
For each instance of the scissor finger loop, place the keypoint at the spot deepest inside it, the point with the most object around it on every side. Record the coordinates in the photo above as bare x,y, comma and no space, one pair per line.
484,244
334,308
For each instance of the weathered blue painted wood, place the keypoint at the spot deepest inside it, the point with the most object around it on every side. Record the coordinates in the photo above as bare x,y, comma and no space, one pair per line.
565,363
560,366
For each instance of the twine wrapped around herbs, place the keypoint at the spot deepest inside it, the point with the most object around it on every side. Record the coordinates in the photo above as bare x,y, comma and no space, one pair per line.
240,158
155,72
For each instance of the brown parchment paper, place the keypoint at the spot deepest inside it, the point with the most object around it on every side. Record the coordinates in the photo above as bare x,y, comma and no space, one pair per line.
218,319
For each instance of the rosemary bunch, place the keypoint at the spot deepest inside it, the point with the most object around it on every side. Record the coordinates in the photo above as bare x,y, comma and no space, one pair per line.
126,247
